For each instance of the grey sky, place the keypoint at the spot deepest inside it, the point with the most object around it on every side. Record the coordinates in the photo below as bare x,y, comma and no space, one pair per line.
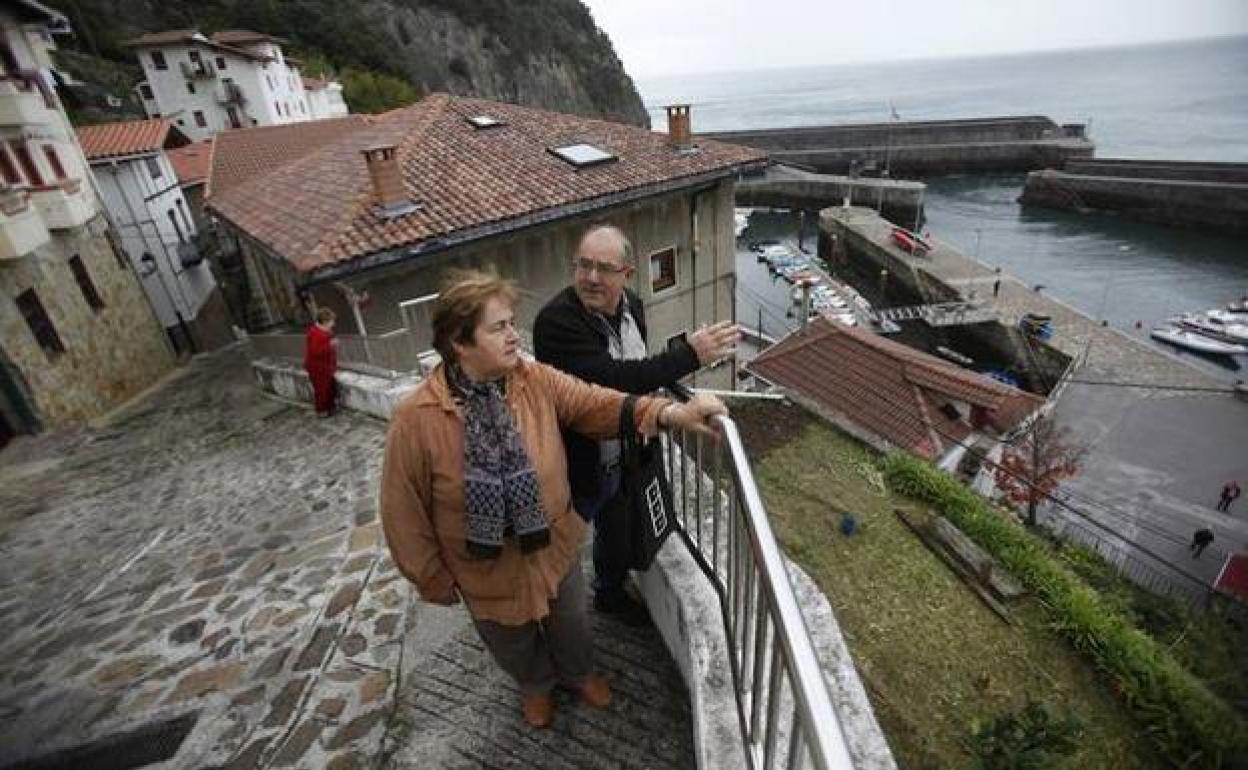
659,37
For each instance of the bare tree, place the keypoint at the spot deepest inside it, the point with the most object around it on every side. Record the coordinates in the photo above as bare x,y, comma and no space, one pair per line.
1036,461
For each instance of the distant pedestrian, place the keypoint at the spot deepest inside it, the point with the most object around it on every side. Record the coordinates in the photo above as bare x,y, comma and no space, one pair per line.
1230,492
320,361
1200,541
996,288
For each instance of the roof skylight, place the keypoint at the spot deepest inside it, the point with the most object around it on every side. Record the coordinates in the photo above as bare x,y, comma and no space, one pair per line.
485,121
582,155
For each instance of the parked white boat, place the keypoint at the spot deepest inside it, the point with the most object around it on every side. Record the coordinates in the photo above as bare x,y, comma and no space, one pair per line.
1229,316
1186,338
1215,326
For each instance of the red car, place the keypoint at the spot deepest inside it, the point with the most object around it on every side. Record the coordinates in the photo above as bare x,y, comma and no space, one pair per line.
911,243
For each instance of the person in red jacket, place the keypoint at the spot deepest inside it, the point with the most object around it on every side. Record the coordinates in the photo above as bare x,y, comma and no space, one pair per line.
320,360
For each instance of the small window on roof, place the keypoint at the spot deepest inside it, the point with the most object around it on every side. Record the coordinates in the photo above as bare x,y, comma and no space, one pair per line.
485,121
581,155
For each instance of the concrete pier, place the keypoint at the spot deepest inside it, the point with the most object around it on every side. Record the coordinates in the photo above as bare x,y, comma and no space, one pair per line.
784,186
1213,195
923,147
1162,436
947,275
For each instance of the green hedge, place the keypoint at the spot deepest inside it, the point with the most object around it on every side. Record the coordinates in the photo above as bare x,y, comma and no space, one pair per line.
1192,726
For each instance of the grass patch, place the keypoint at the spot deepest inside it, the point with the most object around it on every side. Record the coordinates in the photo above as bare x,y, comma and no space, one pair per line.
1189,723
935,660
1212,644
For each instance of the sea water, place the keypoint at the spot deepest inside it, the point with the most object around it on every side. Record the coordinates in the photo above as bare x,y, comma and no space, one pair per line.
1175,101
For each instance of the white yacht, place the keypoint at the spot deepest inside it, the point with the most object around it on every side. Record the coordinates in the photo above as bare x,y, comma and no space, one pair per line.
1216,325
1193,340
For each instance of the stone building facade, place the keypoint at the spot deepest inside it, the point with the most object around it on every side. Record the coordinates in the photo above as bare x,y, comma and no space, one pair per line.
77,335
111,346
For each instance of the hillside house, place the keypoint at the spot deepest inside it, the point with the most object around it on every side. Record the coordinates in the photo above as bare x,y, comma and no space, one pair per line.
231,79
376,211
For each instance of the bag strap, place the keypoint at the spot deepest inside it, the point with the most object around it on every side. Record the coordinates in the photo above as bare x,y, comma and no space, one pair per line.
628,426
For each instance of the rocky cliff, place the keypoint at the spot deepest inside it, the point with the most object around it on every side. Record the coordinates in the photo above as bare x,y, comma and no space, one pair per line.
439,50
545,53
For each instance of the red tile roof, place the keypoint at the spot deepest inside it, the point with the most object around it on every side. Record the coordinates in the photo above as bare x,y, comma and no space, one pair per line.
887,389
241,155
188,37
192,162
162,38
135,137
318,211
244,36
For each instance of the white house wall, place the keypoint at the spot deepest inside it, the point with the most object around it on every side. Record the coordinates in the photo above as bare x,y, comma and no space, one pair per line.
54,129
139,205
263,85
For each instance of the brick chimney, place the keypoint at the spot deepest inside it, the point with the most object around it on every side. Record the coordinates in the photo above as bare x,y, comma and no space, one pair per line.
678,131
387,178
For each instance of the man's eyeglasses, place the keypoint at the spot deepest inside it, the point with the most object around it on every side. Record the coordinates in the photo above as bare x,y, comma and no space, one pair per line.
587,265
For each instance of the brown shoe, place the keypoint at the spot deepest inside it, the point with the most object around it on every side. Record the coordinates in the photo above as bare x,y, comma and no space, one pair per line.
596,692
539,709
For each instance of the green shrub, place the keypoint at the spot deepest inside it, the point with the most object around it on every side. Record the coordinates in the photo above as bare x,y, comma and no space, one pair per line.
1032,738
1189,724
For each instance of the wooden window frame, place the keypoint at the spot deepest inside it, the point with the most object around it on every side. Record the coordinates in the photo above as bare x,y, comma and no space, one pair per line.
153,167
200,120
158,60
54,161
40,323
146,93
26,162
658,284
9,170
85,284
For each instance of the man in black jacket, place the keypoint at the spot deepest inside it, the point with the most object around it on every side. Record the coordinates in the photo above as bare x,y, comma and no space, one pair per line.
596,329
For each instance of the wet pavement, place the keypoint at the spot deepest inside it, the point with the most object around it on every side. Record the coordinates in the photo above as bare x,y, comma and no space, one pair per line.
215,552
1163,435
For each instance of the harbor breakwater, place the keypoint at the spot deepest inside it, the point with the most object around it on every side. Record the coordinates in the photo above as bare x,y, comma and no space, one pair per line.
1188,193
918,148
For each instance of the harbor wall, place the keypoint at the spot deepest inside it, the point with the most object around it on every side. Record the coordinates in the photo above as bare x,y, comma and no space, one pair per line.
867,251
923,147
1196,195
900,201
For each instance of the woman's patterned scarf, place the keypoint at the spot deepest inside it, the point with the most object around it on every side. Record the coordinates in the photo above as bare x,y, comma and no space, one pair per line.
501,494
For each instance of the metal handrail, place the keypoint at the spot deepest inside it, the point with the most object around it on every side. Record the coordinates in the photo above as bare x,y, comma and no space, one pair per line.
736,549
388,355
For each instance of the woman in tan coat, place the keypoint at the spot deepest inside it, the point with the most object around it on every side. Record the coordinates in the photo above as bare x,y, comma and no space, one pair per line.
474,492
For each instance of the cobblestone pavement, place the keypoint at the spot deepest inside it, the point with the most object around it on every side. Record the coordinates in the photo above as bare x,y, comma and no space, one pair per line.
215,552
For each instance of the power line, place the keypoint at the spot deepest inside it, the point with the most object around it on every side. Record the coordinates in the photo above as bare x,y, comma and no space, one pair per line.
1124,384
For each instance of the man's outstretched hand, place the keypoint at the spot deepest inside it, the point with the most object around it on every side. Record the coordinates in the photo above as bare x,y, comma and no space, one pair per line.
714,342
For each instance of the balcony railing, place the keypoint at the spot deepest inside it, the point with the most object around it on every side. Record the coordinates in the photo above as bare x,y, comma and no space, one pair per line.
230,93
781,695
197,70
387,355
64,205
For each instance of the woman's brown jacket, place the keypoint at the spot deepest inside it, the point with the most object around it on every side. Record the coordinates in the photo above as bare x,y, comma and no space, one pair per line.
422,490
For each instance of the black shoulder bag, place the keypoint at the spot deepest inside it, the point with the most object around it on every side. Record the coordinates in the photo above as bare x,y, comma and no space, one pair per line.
644,512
